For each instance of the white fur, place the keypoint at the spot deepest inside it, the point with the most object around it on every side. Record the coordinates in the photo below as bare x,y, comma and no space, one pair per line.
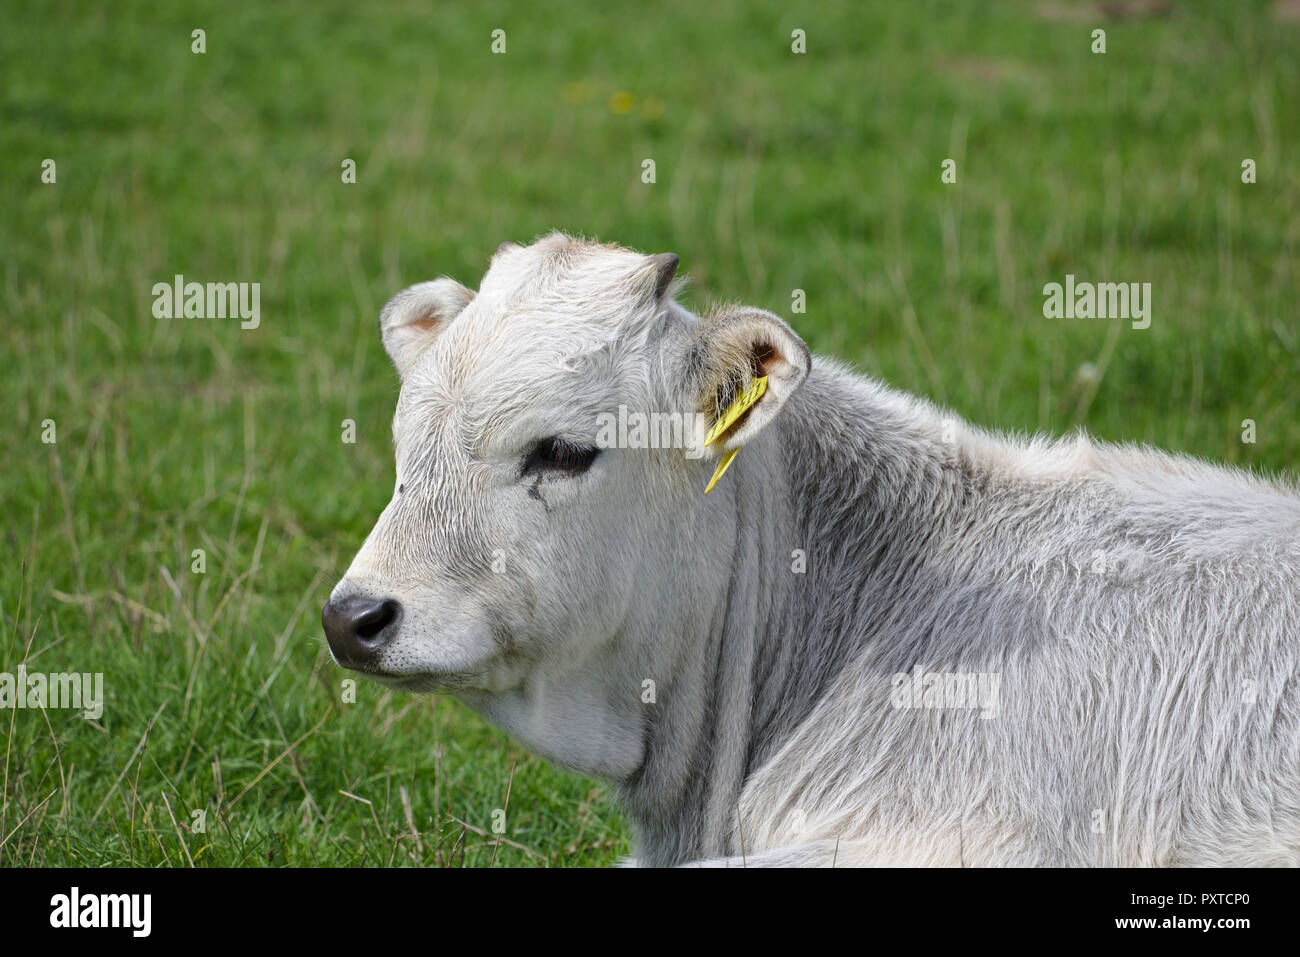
1150,707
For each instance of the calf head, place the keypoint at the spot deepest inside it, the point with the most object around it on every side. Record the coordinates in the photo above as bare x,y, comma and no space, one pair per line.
516,538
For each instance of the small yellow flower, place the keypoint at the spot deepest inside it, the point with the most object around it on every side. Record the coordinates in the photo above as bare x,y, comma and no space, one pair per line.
621,102
652,108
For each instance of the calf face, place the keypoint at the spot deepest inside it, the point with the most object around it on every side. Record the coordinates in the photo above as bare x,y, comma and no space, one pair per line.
512,537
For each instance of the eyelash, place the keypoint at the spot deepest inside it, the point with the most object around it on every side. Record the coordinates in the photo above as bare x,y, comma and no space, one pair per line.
557,455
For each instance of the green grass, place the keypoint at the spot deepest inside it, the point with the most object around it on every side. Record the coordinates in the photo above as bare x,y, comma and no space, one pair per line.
775,171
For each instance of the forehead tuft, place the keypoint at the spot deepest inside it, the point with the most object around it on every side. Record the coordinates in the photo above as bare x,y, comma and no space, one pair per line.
558,323
559,265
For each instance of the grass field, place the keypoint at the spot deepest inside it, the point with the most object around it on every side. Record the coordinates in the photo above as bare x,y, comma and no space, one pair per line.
775,171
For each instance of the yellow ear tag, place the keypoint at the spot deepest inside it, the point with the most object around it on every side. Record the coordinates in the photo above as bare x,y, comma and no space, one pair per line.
722,467
745,398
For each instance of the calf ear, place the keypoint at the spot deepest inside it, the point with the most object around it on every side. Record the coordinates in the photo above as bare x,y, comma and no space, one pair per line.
416,316
732,349
657,277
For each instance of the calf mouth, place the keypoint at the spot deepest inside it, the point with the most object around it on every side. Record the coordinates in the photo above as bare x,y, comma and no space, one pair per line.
424,683
362,633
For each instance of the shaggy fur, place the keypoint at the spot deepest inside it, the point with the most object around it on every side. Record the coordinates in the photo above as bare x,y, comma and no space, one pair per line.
1140,611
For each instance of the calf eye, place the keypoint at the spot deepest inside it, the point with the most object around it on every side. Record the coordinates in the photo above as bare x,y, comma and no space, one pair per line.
558,456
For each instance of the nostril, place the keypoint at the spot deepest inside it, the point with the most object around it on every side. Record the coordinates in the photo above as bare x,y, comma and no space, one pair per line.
358,628
375,620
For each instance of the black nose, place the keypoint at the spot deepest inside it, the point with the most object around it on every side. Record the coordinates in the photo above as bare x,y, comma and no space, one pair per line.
358,628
